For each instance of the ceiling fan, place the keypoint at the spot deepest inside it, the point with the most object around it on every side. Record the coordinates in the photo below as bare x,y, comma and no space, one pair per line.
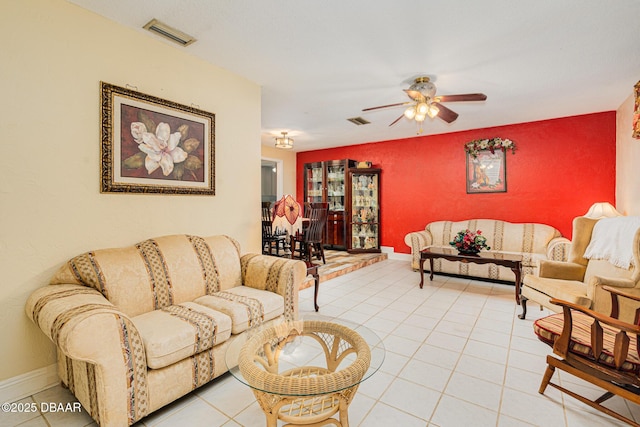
424,102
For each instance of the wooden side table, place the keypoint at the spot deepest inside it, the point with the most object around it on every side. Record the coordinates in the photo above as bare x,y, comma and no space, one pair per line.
514,262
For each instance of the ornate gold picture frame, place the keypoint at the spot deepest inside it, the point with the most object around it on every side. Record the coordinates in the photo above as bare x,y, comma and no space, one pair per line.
636,112
151,145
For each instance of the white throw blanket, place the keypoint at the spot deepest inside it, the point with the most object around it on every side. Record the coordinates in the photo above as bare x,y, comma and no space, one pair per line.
612,240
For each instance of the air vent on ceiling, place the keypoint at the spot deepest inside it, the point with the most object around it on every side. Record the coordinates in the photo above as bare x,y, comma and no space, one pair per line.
168,32
359,121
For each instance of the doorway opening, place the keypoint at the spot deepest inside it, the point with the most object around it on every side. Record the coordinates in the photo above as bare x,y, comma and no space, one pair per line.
272,185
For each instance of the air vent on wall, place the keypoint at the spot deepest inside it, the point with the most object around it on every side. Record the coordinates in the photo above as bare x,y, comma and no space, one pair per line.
169,33
359,121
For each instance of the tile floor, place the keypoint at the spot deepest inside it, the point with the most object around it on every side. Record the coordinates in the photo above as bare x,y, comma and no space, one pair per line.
456,355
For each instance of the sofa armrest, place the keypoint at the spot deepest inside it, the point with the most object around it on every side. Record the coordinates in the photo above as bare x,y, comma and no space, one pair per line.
94,334
417,241
561,270
558,249
280,275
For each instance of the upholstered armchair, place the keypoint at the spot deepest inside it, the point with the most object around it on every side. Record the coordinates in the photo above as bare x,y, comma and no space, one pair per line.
580,280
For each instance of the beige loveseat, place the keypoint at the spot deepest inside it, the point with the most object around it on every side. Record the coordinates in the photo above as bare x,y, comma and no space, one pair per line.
534,242
138,327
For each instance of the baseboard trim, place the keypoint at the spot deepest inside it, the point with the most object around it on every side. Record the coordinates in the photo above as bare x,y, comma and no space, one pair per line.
391,254
24,385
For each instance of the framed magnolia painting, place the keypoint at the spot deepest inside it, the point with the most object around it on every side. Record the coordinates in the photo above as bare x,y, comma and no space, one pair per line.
636,112
151,145
487,172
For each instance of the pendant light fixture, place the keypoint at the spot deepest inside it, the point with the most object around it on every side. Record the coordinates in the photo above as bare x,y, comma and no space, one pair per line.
284,141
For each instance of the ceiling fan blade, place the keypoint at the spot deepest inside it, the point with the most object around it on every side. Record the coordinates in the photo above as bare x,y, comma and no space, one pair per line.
445,113
386,106
463,97
396,120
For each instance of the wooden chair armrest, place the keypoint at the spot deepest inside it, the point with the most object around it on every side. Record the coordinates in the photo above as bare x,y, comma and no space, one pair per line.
622,340
608,320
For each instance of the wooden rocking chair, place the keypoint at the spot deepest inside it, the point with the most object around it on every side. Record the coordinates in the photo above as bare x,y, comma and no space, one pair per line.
599,349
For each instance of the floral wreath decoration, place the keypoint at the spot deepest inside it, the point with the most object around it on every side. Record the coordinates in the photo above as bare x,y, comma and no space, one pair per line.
493,144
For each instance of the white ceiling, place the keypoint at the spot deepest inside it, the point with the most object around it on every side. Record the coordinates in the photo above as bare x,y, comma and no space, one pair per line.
321,62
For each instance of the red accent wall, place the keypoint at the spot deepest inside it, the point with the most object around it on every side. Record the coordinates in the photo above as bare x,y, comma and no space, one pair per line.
560,168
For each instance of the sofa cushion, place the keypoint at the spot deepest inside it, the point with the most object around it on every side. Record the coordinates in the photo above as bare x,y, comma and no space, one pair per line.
247,307
567,290
549,328
179,331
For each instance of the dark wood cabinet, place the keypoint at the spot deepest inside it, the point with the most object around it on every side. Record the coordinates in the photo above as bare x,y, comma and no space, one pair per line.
328,182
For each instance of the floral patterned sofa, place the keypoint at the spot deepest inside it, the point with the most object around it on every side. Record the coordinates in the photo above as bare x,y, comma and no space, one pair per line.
533,241
138,327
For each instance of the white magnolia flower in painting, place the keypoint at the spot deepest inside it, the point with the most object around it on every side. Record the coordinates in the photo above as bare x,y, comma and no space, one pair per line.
161,149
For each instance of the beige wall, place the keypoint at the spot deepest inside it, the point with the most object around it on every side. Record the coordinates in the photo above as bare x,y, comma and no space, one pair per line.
627,158
289,166
54,54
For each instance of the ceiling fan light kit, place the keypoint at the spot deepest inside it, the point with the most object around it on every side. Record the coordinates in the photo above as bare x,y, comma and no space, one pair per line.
424,102
284,142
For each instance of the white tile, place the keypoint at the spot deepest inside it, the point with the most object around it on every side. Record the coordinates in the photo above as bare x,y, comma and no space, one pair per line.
381,326
227,394
526,407
474,390
252,416
400,345
21,411
426,374
490,337
197,413
437,356
393,315
421,321
481,368
506,421
359,408
446,341
498,325
57,395
530,345
384,416
411,398
376,385
490,352
530,362
457,329
452,412
411,332
393,363
366,308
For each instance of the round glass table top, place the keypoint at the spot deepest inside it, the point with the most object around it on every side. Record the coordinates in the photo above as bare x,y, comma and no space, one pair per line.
311,356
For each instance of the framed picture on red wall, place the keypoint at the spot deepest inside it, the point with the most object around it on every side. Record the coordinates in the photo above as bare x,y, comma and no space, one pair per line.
487,172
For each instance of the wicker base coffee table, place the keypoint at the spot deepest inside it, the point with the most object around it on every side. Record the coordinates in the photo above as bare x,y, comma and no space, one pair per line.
305,372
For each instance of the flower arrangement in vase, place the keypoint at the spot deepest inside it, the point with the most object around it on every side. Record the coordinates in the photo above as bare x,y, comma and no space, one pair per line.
469,242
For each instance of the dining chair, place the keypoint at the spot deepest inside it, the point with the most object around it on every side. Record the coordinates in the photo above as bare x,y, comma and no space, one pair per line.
271,239
308,243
